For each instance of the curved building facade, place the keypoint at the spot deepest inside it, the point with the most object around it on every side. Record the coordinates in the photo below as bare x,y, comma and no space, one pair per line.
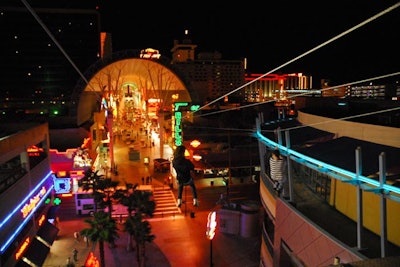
343,200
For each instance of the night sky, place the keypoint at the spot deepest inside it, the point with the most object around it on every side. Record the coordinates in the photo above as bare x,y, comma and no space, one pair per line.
269,35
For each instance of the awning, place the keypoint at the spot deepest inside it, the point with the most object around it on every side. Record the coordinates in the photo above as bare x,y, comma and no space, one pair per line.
48,232
36,253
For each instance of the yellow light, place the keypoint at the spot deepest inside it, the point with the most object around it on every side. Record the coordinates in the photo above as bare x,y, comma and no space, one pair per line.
187,154
195,143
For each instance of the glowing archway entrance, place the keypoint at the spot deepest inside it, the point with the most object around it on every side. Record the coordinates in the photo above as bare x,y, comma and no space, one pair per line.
137,80
126,88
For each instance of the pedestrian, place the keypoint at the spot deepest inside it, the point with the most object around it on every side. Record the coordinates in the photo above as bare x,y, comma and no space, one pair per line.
142,180
76,235
75,254
86,240
184,169
278,171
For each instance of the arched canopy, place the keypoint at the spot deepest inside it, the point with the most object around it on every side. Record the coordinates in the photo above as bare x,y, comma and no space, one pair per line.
144,77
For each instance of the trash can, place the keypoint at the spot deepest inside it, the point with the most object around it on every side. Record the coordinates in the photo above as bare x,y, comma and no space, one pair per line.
228,221
250,219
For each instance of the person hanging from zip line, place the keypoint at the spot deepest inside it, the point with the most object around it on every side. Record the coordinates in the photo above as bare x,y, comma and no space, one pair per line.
184,169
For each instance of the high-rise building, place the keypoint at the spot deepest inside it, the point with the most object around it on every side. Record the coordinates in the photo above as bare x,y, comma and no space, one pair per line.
45,47
209,75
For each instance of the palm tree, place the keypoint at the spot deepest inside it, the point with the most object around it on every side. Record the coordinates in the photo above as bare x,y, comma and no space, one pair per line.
89,182
140,230
102,188
102,229
105,189
138,202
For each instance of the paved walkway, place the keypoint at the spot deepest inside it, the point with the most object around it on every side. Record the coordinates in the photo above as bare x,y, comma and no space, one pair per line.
180,240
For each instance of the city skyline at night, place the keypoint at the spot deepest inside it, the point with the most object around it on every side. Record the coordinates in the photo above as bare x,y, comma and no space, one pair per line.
275,35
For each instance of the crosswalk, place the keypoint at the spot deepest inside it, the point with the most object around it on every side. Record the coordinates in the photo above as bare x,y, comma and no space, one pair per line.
165,202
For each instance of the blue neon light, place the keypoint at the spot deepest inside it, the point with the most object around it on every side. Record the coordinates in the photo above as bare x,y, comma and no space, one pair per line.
17,209
332,170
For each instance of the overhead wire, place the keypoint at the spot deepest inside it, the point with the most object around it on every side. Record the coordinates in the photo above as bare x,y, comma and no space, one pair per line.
389,9
301,94
49,33
258,78
321,122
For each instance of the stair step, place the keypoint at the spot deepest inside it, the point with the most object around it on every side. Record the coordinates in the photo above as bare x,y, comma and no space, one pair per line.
165,202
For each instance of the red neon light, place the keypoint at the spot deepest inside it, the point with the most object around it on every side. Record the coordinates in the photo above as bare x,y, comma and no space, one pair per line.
269,77
22,248
34,149
41,220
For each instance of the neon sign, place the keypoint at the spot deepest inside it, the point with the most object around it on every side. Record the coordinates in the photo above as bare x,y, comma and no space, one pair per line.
62,185
178,128
16,212
34,151
150,53
22,248
177,123
27,208
211,225
41,220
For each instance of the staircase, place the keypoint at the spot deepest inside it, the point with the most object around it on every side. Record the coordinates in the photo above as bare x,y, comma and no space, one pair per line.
165,202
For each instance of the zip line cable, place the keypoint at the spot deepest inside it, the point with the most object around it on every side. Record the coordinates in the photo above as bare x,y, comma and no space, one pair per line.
258,78
306,53
310,125
57,44
301,94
